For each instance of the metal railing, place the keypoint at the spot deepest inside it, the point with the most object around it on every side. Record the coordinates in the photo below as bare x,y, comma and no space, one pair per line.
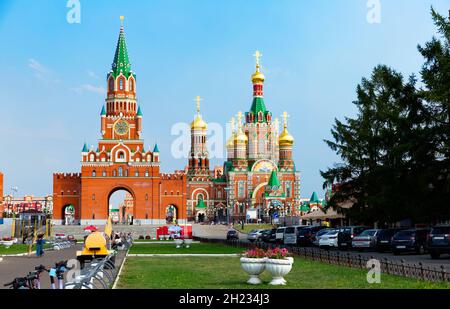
98,274
347,259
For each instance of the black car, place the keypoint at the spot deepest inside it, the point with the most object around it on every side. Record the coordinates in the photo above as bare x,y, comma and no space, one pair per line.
410,240
439,241
305,236
268,235
347,233
383,239
232,234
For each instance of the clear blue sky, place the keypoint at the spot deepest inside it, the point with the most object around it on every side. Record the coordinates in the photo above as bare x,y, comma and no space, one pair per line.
315,53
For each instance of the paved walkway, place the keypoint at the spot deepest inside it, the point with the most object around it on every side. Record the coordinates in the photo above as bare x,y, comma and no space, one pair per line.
12,267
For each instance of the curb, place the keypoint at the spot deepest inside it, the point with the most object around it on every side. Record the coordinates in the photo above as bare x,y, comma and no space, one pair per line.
184,255
120,270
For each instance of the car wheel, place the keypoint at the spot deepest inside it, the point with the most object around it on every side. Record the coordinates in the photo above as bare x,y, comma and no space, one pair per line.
435,255
395,252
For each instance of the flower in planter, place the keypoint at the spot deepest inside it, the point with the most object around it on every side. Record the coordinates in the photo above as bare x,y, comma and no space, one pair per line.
256,253
277,253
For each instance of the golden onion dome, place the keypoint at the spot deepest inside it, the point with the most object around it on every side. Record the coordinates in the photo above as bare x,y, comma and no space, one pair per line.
230,142
286,139
199,123
240,137
258,77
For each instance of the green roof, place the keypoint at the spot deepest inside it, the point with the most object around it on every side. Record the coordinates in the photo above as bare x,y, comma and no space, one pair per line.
258,106
273,180
121,63
200,204
156,149
103,113
139,112
305,207
314,198
85,148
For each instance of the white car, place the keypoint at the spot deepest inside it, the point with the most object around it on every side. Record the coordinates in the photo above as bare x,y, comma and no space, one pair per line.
329,239
279,235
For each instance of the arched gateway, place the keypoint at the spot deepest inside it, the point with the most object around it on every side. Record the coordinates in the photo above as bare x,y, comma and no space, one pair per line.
120,161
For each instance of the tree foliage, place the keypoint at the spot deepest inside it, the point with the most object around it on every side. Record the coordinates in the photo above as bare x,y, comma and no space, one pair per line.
396,153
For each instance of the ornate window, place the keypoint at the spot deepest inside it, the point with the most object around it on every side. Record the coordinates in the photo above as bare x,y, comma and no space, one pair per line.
146,173
94,173
104,173
111,84
136,173
121,84
288,189
120,169
131,85
241,189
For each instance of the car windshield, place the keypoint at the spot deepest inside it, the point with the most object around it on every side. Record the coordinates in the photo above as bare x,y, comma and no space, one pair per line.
332,232
441,230
404,234
290,230
253,231
304,231
368,233
281,230
322,232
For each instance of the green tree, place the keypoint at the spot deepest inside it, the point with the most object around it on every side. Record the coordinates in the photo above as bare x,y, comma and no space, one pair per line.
396,152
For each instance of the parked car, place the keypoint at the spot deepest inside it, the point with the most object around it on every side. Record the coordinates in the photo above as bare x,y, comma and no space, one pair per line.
306,234
384,239
410,240
268,235
329,239
232,234
254,235
366,240
439,241
291,233
279,235
316,237
347,233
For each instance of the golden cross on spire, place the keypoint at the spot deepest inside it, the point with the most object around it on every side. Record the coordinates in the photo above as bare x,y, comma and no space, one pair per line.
198,99
285,117
257,56
239,115
122,18
233,123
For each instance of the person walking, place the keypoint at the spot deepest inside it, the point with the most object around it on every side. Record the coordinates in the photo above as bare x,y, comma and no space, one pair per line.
40,245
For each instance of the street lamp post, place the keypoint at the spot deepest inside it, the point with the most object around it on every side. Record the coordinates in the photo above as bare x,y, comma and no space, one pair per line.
227,190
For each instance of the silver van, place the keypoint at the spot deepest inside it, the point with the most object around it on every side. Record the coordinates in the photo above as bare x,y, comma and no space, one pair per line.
290,234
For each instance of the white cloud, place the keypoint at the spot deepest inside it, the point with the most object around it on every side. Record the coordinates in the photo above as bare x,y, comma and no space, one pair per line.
92,74
89,88
42,73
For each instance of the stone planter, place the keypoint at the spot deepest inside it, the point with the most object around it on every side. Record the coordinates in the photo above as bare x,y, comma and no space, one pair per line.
253,267
166,237
278,268
188,242
8,243
179,242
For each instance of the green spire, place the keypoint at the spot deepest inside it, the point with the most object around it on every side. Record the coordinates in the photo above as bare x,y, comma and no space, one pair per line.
314,199
85,148
121,61
156,148
258,106
103,113
139,112
304,207
201,204
273,180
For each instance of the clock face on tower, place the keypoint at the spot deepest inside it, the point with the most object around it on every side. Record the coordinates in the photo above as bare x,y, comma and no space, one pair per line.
121,127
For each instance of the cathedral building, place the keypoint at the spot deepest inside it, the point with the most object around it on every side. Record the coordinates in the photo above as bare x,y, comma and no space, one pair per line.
258,176
259,173
120,161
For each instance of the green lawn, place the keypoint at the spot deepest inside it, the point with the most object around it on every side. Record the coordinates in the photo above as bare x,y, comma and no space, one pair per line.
195,248
17,248
226,273
249,227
